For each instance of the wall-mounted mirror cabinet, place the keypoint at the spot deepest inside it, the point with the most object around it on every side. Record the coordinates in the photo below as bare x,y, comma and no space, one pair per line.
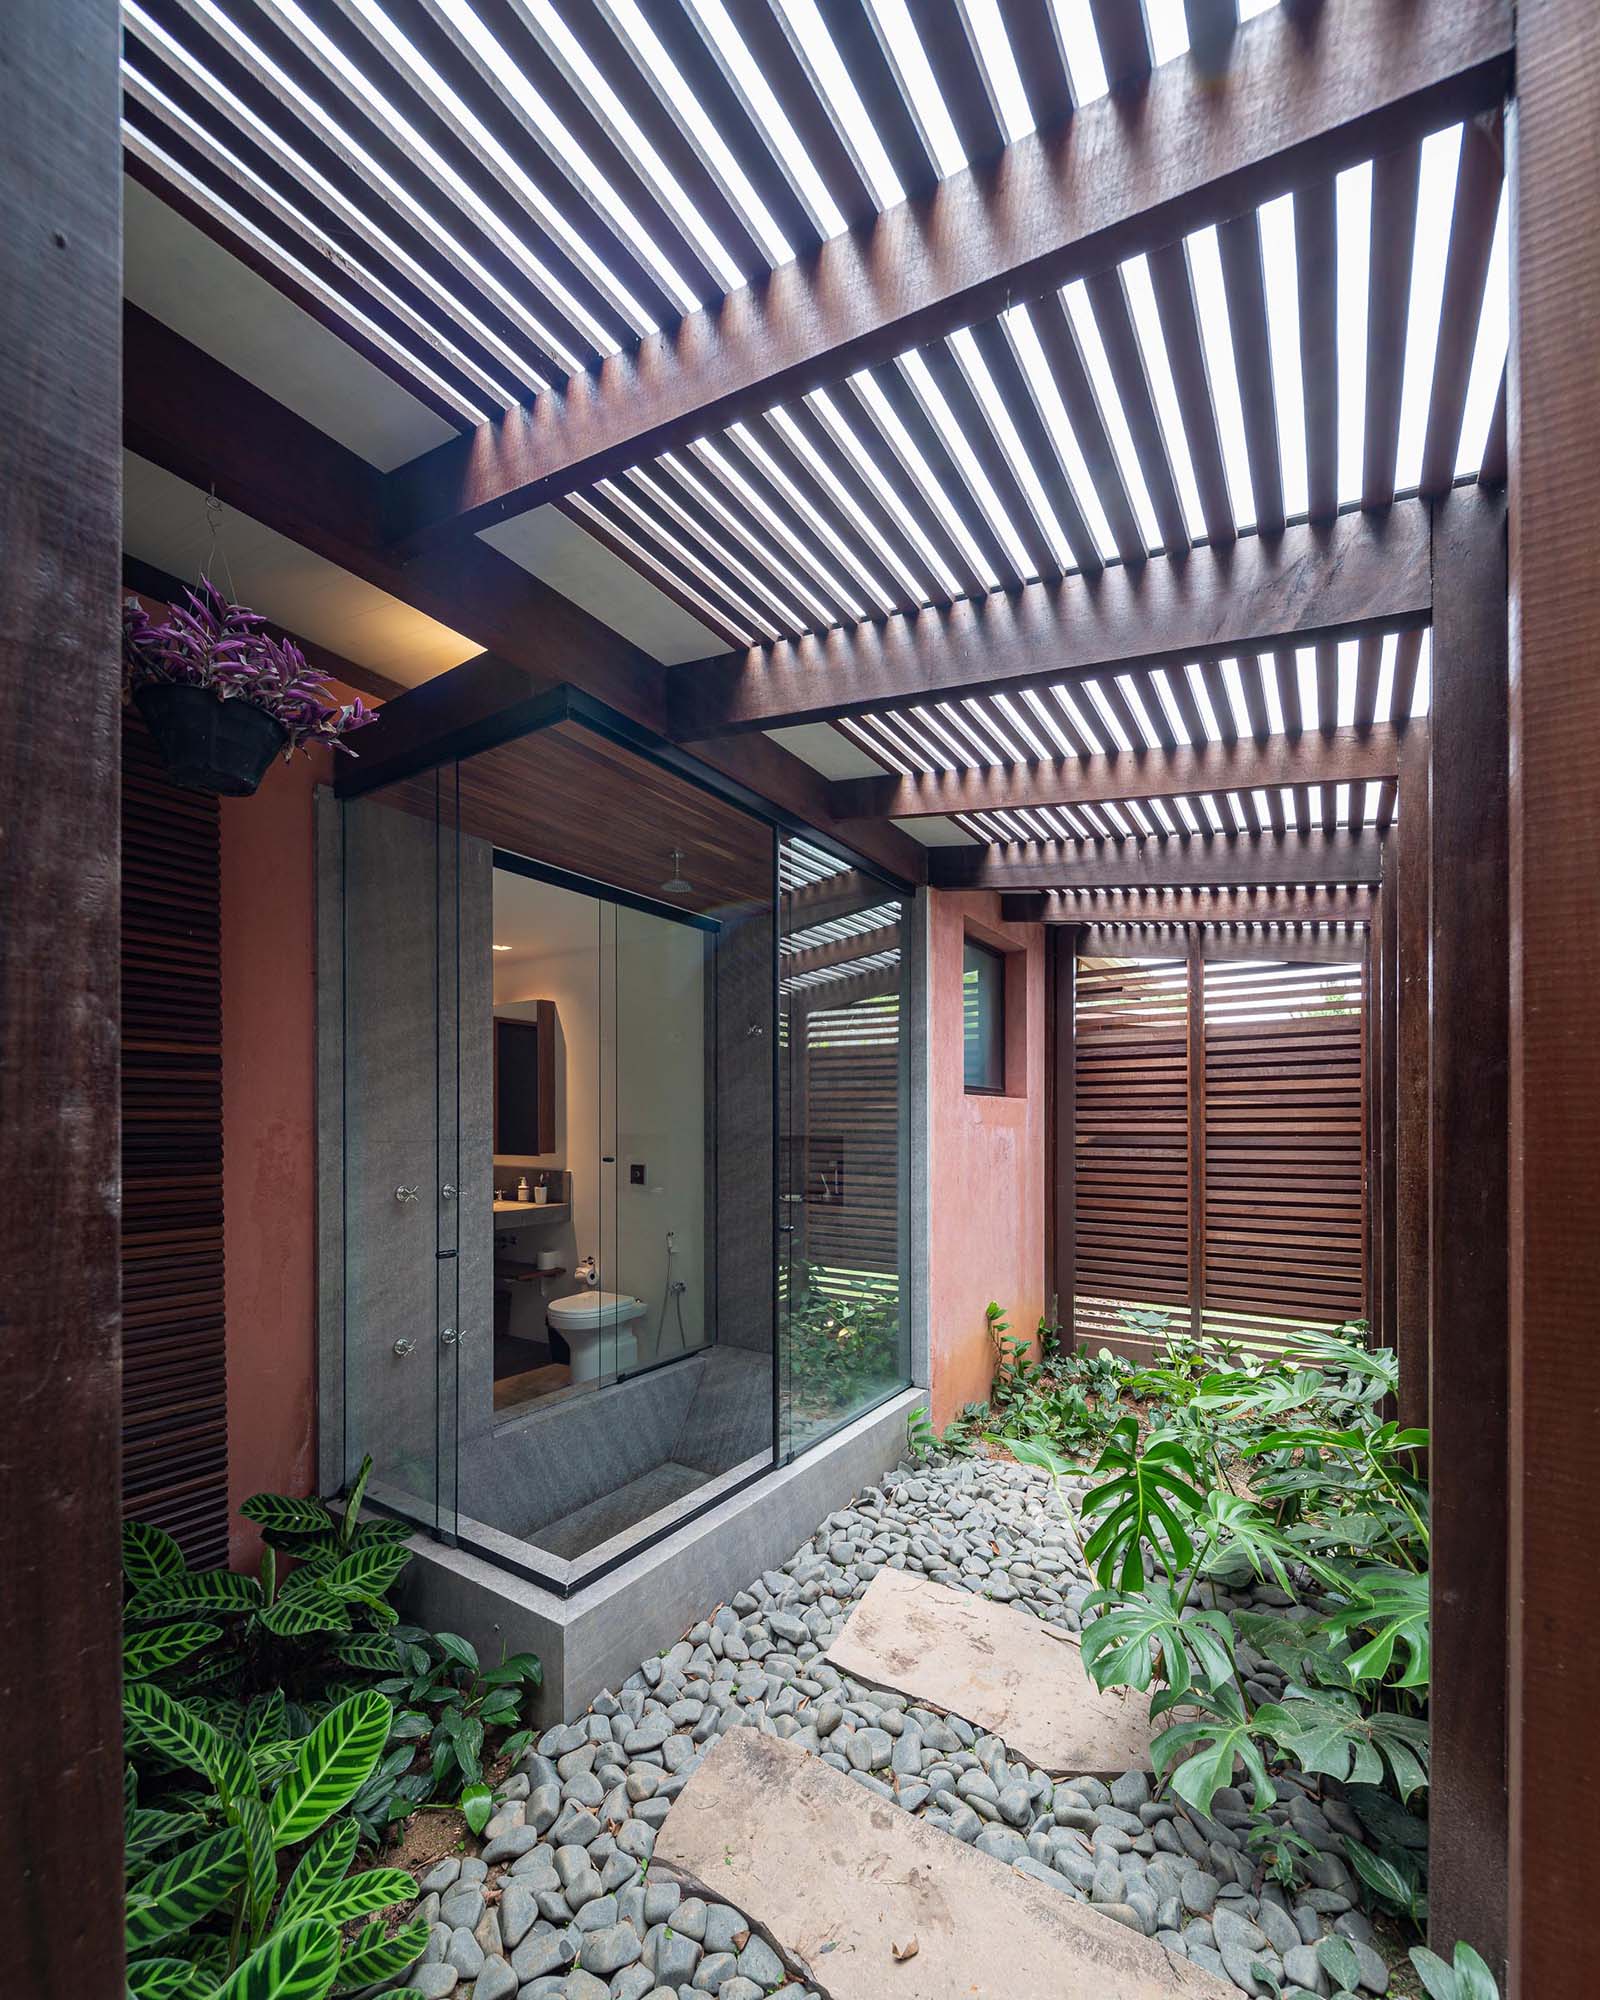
525,1083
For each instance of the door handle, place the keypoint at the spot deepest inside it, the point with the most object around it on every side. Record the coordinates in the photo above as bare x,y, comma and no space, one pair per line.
404,1194
404,1347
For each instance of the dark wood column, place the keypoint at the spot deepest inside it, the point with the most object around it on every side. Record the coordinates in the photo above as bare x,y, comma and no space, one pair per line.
1195,959
1061,1220
1468,1386
1555,978
1409,856
1383,1099
60,723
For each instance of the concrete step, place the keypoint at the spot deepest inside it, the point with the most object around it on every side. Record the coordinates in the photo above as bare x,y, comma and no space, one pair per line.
865,1901
998,1668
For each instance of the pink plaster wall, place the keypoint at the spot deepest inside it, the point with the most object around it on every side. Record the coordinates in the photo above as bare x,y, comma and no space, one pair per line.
269,1137
987,1193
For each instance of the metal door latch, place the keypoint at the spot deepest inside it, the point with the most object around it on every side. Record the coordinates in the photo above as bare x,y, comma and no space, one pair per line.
405,1194
403,1346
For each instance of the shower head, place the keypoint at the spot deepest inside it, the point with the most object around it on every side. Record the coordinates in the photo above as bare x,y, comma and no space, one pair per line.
676,883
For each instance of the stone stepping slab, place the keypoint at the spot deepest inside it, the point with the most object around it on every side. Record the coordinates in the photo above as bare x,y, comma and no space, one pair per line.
997,1668
842,1883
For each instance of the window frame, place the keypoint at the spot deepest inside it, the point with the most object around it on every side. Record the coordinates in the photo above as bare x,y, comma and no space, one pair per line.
997,1065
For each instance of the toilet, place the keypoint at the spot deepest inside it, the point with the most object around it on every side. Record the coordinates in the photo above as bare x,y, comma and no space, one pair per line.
596,1327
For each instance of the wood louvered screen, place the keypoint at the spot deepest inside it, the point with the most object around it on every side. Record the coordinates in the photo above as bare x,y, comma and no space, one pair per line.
1130,1140
852,1095
174,1401
1284,1145
1254,1223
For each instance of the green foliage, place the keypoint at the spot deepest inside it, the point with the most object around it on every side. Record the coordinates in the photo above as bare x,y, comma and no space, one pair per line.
264,1742
1279,1850
1467,1978
232,1874
1147,1500
1392,1879
1218,1466
842,1346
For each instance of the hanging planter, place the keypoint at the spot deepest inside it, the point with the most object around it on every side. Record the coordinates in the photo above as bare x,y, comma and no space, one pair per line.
222,697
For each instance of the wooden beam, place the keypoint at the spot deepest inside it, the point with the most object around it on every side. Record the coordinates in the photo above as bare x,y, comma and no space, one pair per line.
1383,1095
1554,1334
1191,862
1410,849
1187,906
1358,573
818,957
1470,1119
1221,945
1305,91
60,950
1195,1095
1348,757
197,419
1061,973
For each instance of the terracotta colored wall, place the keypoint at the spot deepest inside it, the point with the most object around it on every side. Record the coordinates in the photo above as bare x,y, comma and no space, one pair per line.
987,1196
269,1135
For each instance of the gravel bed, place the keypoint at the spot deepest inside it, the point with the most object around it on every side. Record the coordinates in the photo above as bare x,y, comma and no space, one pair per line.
559,1903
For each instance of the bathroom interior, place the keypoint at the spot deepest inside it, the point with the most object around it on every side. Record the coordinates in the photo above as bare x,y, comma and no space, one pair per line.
613,1174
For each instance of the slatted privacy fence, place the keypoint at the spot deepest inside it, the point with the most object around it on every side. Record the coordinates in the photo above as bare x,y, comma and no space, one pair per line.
1219,1144
174,1393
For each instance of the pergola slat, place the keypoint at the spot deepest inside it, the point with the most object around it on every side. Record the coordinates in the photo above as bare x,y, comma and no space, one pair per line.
1197,861
994,342
1300,96
1059,344
675,514
856,38
1395,183
1172,281
980,439
1407,657
1244,278
1124,41
1033,32
960,78
1108,296
1316,241
896,388
1466,273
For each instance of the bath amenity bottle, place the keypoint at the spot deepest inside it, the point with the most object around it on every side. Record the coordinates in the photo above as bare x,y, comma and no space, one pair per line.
522,1189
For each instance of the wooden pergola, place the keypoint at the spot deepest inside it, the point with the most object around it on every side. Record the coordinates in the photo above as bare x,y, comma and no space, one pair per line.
958,391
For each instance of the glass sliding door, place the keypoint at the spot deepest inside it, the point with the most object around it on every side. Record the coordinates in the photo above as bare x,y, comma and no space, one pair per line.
844,1098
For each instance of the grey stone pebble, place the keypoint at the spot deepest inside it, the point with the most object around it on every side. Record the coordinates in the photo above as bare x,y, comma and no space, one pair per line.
434,1981
465,1954
461,1908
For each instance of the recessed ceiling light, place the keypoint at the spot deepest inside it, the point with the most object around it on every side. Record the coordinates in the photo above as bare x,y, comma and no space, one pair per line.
499,947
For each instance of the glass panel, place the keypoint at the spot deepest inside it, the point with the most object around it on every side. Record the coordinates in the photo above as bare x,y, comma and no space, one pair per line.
844,1096
398,1018
983,991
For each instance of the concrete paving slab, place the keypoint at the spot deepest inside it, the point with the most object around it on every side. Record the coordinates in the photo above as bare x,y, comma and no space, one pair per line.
998,1668
866,1902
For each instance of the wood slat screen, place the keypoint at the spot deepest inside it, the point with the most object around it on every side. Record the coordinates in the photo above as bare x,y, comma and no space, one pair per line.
1130,1140
1272,1236
852,1091
1285,1166
174,1411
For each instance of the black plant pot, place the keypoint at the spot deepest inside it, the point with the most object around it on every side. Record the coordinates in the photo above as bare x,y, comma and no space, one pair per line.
209,745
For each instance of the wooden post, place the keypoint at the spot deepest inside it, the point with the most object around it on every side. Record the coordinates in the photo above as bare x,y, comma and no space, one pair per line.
1468,1387
1410,847
1554,1326
1061,969
1386,931
1197,1130
60,732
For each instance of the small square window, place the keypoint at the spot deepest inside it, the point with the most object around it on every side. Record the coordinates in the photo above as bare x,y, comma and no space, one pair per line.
983,1018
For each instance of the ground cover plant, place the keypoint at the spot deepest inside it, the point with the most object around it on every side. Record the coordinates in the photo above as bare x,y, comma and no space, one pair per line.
275,1724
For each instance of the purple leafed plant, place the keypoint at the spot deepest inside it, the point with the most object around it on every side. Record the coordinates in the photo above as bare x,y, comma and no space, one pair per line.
210,643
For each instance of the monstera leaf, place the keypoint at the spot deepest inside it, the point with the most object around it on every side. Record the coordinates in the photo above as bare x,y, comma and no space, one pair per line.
1392,1604
1131,1643
1200,1755
1326,1731
1149,1501
333,1763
